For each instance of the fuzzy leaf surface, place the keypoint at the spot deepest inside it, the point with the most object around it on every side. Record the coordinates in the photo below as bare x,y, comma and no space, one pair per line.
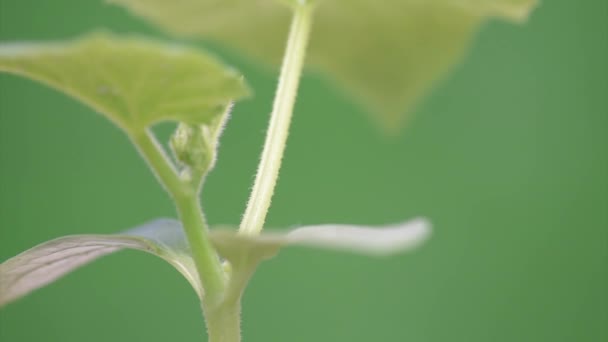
387,54
133,82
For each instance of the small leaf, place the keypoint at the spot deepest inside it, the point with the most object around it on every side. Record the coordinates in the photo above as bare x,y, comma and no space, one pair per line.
51,260
133,82
195,146
385,53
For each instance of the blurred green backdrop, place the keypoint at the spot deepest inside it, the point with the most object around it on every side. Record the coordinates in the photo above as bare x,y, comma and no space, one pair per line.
508,157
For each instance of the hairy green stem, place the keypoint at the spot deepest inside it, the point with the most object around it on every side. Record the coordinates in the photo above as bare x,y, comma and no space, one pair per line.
158,161
207,261
186,201
278,129
223,322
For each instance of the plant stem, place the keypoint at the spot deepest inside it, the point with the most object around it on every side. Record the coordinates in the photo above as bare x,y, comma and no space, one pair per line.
224,323
186,201
221,304
206,259
158,161
278,129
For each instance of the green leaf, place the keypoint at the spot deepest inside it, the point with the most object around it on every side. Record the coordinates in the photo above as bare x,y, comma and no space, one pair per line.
195,146
366,240
51,260
164,238
385,53
245,252
133,82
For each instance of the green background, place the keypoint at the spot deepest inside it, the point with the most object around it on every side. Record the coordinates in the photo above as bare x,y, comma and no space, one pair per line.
508,157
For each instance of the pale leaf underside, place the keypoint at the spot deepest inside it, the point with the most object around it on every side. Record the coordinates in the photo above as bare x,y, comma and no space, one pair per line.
51,260
164,238
385,53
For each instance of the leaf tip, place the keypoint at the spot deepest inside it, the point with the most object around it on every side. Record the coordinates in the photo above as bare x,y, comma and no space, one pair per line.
517,11
377,241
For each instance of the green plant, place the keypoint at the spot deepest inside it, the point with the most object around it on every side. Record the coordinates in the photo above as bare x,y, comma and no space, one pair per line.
137,83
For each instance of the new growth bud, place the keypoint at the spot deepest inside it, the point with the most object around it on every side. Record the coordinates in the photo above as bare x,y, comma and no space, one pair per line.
193,149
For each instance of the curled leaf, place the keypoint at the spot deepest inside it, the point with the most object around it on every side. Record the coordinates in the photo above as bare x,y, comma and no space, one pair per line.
385,53
134,82
366,240
245,252
164,238
51,260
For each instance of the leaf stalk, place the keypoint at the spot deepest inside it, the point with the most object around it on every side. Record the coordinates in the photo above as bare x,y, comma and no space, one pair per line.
280,119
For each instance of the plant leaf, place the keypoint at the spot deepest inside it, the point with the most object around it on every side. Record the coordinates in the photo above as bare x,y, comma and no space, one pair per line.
164,238
194,146
367,240
245,252
133,82
51,260
385,53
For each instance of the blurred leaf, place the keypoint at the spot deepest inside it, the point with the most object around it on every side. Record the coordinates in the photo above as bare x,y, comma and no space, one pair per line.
367,240
164,238
133,82
49,261
385,54
245,252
